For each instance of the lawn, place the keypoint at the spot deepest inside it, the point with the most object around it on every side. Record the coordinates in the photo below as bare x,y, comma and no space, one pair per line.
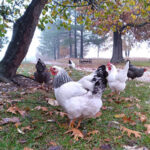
41,126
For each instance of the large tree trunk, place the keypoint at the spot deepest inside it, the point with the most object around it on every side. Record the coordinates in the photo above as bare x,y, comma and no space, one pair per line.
23,31
117,48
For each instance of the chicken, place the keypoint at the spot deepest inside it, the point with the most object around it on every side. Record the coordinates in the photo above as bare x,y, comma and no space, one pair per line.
42,75
71,64
117,77
135,72
87,81
77,101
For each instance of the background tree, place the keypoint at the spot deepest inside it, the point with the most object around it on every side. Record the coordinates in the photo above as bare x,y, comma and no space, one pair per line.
119,16
103,15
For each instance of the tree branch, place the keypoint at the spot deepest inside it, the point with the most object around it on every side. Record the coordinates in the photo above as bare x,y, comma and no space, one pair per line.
57,3
133,25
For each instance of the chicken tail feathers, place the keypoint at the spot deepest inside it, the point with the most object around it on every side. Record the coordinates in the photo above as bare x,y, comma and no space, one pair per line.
126,67
100,80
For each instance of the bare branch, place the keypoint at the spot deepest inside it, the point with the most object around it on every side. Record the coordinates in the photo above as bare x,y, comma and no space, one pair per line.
134,25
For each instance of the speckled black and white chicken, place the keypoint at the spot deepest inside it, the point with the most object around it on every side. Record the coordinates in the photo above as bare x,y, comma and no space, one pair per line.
77,100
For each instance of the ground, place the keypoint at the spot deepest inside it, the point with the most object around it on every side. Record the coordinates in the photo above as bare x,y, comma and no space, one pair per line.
29,118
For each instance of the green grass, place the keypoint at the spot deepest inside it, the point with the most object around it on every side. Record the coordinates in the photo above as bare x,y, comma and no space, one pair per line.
141,63
44,132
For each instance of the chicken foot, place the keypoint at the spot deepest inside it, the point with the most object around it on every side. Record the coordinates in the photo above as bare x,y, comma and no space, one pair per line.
75,131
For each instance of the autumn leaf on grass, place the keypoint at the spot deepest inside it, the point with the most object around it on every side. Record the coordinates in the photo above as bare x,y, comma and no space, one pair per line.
9,120
141,116
1,128
128,120
107,140
148,128
52,102
62,114
93,132
15,109
119,115
98,114
12,109
137,134
27,148
76,133
20,131
52,143
41,108
26,128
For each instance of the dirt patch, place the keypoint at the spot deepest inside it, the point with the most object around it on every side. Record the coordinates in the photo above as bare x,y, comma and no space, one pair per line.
21,82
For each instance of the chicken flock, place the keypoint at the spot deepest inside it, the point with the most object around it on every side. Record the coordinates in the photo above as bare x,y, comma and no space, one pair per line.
83,99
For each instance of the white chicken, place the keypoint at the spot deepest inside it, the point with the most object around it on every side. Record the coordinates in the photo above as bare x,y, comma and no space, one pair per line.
71,64
77,101
117,77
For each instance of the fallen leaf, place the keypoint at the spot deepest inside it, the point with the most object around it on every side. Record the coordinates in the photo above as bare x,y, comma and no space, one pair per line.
27,148
93,132
119,115
137,134
62,114
98,114
41,108
127,147
15,109
17,124
141,116
22,141
39,136
107,140
76,133
26,128
9,120
1,128
52,143
52,102
12,109
138,106
55,148
20,131
128,120
148,128
104,108
105,147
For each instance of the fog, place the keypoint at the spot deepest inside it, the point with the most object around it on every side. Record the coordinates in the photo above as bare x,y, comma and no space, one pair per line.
140,50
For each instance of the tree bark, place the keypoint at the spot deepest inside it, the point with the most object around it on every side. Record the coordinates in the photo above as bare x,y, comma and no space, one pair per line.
70,43
117,48
75,36
81,50
23,31
58,46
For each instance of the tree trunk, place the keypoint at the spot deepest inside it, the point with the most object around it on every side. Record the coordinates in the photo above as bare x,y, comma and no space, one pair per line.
70,43
117,48
81,50
23,31
58,46
75,36
98,50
